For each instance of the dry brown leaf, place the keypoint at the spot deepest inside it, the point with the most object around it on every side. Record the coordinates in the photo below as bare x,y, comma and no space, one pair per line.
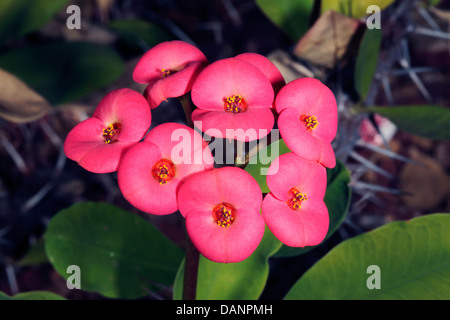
327,40
18,102
427,185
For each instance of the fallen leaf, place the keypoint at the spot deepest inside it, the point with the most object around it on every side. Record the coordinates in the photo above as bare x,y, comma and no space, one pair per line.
327,40
18,102
426,186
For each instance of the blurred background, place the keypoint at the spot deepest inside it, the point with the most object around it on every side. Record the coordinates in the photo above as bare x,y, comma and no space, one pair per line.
53,77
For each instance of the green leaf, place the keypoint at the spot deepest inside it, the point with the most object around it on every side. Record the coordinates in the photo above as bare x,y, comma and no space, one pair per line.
19,17
63,72
413,259
366,62
292,16
120,254
424,120
258,165
32,295
337,199
243,280
353,8
4,296
37,295
139,34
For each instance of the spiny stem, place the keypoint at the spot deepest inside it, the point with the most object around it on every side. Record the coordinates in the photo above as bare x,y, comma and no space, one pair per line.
190,270
187,108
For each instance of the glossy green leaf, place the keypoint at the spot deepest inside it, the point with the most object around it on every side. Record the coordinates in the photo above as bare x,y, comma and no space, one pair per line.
243,280
337,199
366,62
424,120
258,165
120,255
32,295
139,35
353,8
413,258
63,72
292,16
19,17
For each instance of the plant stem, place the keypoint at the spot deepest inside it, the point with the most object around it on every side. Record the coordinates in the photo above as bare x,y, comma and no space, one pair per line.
191,255
187,108
190,270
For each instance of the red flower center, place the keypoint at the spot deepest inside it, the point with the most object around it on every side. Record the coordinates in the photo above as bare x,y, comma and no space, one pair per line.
310,122
235,104
167,72
224,214
163,171
111,132
295,199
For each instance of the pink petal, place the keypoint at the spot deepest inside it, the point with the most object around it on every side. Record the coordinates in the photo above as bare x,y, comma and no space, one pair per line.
290,171
312,98
137,184
307,226
130,109
229,77
297,138
170,55
226,244
327,156
183,146
249,125
265,66
203,191
85,145
172,86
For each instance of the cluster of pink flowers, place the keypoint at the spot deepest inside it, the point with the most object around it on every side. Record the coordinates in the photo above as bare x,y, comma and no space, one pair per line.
224,209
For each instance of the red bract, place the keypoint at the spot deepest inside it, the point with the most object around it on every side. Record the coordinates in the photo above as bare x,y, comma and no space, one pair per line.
222,211
169,68
308,119
120,120
232,94
151,171
294,209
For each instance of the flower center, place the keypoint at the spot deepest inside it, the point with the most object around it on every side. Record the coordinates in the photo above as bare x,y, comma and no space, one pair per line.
224,214
309,121
111,132
295,199
235,104
167,72
163,171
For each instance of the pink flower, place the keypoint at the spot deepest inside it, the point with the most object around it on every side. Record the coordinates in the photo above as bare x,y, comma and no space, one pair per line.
150,172
232,94
222,211
120,120
265,66
294,209
169,68
308,119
